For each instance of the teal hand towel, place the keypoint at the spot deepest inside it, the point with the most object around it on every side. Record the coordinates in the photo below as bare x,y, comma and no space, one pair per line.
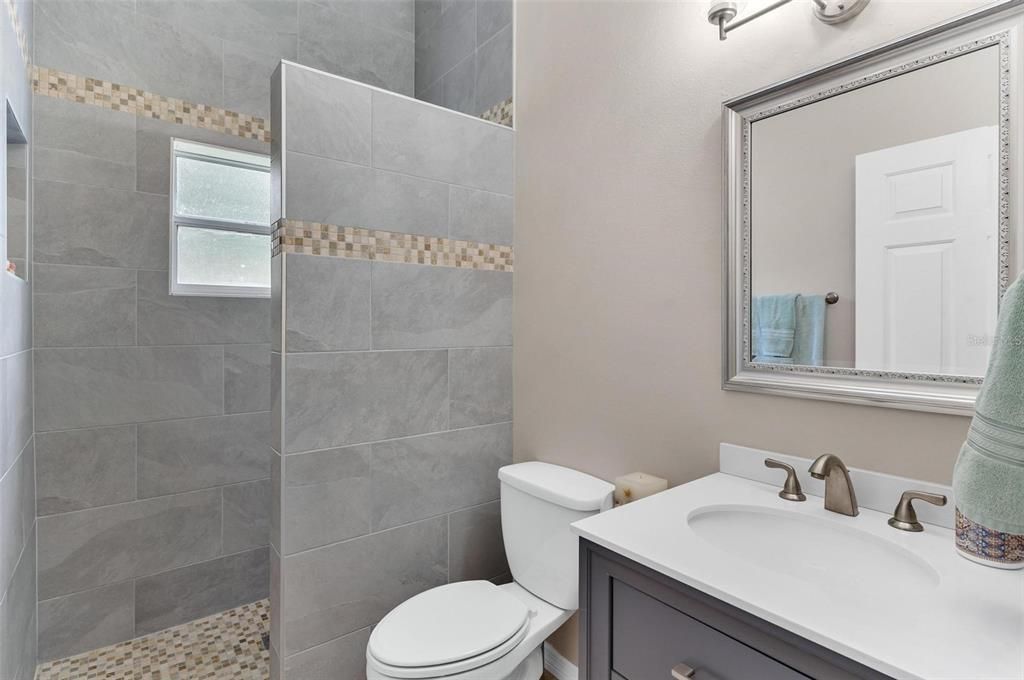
773,327
988,480
809,338
787,361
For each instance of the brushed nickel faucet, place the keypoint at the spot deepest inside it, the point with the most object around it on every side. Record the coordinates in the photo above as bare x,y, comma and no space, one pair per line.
791,489
904,517
839,494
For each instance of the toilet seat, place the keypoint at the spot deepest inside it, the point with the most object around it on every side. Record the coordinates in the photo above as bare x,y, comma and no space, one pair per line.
446,630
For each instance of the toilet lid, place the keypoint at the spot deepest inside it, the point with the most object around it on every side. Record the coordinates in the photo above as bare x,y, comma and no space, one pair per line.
448,624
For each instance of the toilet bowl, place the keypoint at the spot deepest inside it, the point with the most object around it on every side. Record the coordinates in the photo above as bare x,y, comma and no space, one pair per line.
463,639
475,630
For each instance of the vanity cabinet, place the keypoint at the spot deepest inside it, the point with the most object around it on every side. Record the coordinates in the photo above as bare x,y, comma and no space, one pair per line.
637,624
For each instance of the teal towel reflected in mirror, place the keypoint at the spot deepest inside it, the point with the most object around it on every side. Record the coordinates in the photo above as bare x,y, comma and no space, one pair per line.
774,327
788,329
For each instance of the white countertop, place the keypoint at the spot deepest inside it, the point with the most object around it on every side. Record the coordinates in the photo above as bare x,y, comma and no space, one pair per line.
964,622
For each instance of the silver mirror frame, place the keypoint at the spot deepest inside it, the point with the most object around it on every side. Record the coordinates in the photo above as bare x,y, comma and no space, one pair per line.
997,26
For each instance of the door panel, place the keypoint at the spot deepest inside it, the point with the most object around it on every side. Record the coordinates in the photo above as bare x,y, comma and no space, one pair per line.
916,303
649,638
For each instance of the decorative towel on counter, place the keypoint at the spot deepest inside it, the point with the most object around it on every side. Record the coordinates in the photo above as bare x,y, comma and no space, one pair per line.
988,480
788,329
773,327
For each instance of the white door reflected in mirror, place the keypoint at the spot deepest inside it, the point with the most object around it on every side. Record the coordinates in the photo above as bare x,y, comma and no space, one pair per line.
926,254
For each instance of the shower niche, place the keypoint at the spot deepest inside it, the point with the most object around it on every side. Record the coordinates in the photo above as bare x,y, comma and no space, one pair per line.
16,164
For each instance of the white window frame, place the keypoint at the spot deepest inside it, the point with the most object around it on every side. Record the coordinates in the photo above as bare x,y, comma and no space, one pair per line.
225,156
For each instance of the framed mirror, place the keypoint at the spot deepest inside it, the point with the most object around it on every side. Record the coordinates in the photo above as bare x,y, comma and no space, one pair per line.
16,166
872,220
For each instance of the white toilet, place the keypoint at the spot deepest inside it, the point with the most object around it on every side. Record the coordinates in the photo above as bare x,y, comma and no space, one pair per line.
476,630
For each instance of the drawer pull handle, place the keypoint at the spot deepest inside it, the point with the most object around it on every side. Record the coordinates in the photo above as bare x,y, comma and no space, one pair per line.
682,672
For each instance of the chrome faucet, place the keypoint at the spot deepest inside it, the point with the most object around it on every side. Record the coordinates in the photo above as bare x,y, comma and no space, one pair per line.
839,494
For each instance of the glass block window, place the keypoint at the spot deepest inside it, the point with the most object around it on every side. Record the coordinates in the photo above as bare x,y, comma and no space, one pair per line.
220,221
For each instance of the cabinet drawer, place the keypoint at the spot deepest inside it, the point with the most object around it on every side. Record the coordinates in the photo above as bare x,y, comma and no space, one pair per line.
649,638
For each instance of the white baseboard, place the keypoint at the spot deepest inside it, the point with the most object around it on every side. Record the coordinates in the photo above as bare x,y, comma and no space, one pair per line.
558,665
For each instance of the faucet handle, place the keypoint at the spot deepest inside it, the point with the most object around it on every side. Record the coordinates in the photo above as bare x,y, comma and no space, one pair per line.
905,518
791,489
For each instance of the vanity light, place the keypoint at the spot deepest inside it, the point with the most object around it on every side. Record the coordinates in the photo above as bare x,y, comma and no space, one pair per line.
724,12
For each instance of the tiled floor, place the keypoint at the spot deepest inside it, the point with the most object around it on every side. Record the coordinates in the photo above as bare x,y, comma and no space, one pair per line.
225,646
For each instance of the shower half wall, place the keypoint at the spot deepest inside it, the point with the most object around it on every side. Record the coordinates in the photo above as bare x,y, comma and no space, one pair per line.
391,359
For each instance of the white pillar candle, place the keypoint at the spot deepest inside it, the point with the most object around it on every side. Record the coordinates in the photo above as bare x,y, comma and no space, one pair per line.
637,485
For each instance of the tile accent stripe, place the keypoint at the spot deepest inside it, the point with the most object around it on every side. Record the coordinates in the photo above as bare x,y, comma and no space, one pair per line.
72,87
225,646
316,238
116,97
500,113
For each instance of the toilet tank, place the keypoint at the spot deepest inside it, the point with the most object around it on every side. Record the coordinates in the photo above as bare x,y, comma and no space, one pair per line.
538,503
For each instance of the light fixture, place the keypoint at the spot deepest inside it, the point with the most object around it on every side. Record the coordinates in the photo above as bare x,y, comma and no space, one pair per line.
724,13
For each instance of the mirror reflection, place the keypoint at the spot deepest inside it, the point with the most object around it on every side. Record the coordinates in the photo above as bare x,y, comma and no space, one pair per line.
888,197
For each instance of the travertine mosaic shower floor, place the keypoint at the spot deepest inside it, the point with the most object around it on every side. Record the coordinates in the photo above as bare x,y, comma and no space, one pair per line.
225,646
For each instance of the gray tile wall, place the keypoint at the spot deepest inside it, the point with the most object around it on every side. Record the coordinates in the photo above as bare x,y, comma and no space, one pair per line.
392,383
152,421
17,452
454,53
464,53
222,52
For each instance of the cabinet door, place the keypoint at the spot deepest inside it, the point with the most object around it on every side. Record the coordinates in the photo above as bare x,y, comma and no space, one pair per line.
650,638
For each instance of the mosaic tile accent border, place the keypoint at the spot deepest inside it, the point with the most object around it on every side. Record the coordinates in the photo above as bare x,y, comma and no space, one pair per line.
116,97
225,646
316,238
500,113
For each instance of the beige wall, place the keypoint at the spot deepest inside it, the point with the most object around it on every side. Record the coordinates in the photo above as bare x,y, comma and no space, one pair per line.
804,190
618,243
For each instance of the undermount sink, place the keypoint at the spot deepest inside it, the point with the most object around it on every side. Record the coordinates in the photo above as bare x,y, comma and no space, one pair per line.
903,603
822,552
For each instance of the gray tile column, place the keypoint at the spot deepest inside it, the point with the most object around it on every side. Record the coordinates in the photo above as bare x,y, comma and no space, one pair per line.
392,382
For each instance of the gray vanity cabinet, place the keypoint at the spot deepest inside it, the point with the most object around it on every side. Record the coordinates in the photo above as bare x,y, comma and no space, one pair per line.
637,624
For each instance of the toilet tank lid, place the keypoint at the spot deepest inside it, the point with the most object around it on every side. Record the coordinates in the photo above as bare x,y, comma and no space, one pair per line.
559,485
